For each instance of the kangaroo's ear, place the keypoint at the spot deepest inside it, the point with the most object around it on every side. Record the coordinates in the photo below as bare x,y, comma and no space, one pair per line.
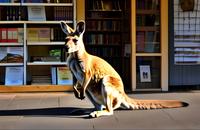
65,28
80,27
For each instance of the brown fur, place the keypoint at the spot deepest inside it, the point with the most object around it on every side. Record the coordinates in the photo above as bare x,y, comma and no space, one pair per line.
102,84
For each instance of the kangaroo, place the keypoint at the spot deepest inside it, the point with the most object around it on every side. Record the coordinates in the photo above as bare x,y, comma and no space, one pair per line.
99,80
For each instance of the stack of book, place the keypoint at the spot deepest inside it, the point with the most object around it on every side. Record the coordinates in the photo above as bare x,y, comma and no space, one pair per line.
63,13
57,34
61,76
104,39
9,1
108,25
38,34
14,35
15,13
41,79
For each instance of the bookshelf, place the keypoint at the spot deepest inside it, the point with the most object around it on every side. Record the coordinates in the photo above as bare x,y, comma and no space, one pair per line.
39,35
150,45
107,34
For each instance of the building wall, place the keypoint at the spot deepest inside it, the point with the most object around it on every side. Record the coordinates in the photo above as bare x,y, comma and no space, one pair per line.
180,74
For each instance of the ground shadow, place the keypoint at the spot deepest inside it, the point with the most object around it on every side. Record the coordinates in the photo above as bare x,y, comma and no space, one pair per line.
58,111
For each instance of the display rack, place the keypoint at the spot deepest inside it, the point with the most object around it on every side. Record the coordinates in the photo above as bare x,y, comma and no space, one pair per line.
15,16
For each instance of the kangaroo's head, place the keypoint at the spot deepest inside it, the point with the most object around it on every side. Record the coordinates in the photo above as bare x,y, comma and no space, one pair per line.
74,38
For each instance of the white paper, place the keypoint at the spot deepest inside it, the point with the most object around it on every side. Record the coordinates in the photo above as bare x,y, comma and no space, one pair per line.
145,74
14,76
36,13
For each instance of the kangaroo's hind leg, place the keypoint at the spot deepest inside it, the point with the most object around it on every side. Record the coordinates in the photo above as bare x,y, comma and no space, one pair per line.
110,99
98,107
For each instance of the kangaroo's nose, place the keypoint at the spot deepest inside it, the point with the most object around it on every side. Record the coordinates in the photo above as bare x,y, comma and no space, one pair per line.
66,47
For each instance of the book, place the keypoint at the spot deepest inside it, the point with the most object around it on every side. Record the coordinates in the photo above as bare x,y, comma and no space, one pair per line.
4,1
41,79
3,54
63,13
12,35
127,50
53,75
44,34
64,76
3,34
15,54
45,59
140,41
14,13
38,34
14,76
36,13
32,35
20,35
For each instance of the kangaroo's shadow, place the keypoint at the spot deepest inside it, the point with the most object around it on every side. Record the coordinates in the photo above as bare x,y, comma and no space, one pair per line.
58,111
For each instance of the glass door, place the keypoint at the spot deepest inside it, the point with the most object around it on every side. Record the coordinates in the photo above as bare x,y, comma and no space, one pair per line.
148,45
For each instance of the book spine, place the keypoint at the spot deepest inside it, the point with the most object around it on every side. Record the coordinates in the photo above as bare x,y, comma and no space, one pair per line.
3,34
20,35
0,35
53,75
9,34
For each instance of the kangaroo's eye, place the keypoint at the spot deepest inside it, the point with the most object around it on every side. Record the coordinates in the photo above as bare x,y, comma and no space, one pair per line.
66,40
75,40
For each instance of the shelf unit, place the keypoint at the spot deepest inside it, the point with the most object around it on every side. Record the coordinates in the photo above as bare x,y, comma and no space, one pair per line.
36,48
150,45
107,34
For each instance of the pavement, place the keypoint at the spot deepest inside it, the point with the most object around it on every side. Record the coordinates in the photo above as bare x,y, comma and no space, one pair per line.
62,111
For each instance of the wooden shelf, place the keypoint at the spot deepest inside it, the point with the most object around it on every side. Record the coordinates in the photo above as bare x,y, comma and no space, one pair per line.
47,63
10,44
46,22
47,4
148,54
45,43
12,22
35,88
34,22
36,4
11,64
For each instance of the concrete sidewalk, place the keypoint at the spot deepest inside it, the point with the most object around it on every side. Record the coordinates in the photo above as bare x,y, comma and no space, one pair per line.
62,111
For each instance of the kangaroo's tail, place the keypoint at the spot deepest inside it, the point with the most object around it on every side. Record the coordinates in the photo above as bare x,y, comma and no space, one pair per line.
154,104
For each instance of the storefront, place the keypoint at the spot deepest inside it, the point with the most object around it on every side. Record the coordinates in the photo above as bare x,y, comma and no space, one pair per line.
184,47
153,44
